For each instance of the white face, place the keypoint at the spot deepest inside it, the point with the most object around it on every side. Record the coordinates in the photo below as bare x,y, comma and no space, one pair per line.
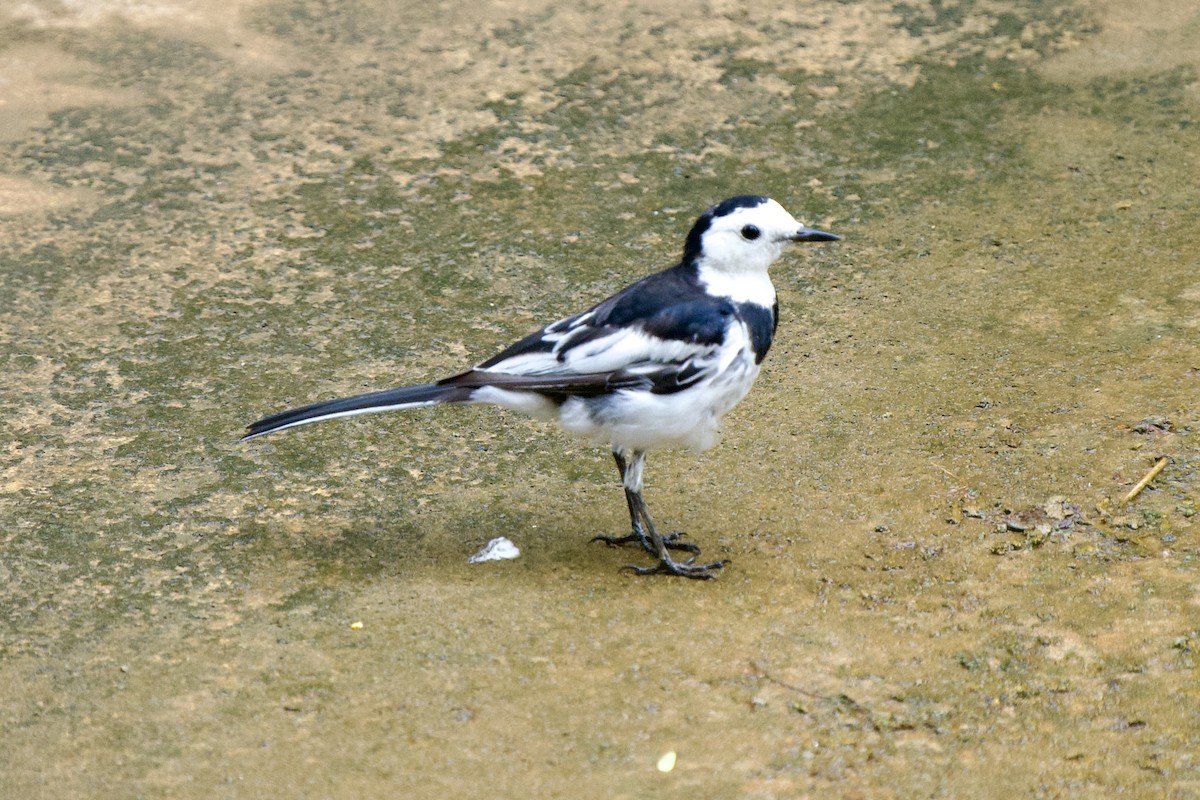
748,239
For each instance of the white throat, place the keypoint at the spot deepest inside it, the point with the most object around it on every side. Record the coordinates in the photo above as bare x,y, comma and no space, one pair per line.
740,287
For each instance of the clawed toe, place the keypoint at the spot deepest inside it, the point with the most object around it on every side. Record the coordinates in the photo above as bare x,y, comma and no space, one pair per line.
619,541
686,569
670,541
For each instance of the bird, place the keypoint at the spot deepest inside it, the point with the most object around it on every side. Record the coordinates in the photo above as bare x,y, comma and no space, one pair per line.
655,366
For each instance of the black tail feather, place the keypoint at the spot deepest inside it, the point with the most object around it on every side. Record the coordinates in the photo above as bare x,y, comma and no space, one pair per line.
455,389
388,400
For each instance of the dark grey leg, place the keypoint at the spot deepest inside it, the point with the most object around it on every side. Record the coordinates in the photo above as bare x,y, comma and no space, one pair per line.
671,540
632,480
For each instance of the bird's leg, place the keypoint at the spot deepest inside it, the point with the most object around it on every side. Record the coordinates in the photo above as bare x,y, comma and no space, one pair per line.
671,540
657,546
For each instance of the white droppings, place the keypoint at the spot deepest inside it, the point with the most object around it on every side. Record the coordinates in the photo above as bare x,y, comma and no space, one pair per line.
498,549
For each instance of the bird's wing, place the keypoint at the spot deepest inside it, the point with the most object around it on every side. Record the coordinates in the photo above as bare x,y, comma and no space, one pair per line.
659,334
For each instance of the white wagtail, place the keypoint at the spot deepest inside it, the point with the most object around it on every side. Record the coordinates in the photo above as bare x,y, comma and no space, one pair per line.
656,365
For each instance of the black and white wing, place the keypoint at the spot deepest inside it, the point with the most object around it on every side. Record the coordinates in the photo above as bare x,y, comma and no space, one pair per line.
662,333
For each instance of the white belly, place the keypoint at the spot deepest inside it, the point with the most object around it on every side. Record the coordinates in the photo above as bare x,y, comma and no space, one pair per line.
690,418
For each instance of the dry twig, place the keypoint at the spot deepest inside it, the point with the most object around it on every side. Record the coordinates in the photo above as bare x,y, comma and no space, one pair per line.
1145,481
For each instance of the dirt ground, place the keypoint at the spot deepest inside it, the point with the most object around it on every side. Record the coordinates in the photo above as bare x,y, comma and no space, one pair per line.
210,211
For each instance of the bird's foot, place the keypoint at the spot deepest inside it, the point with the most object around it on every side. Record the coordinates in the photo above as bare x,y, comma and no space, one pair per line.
686,569
671,541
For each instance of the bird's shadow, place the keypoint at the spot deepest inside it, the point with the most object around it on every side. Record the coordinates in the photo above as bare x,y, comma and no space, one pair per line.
403,545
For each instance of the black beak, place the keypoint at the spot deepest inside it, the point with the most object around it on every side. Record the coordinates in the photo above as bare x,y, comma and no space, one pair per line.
814,235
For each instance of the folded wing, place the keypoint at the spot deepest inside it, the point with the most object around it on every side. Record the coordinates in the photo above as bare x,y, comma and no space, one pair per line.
661,334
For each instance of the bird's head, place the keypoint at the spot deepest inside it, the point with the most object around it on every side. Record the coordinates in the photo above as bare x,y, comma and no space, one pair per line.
745,234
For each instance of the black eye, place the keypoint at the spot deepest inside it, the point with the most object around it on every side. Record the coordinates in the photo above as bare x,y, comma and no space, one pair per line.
751,232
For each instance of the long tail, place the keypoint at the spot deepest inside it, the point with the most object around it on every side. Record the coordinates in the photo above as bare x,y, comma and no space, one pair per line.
459,388
426,394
